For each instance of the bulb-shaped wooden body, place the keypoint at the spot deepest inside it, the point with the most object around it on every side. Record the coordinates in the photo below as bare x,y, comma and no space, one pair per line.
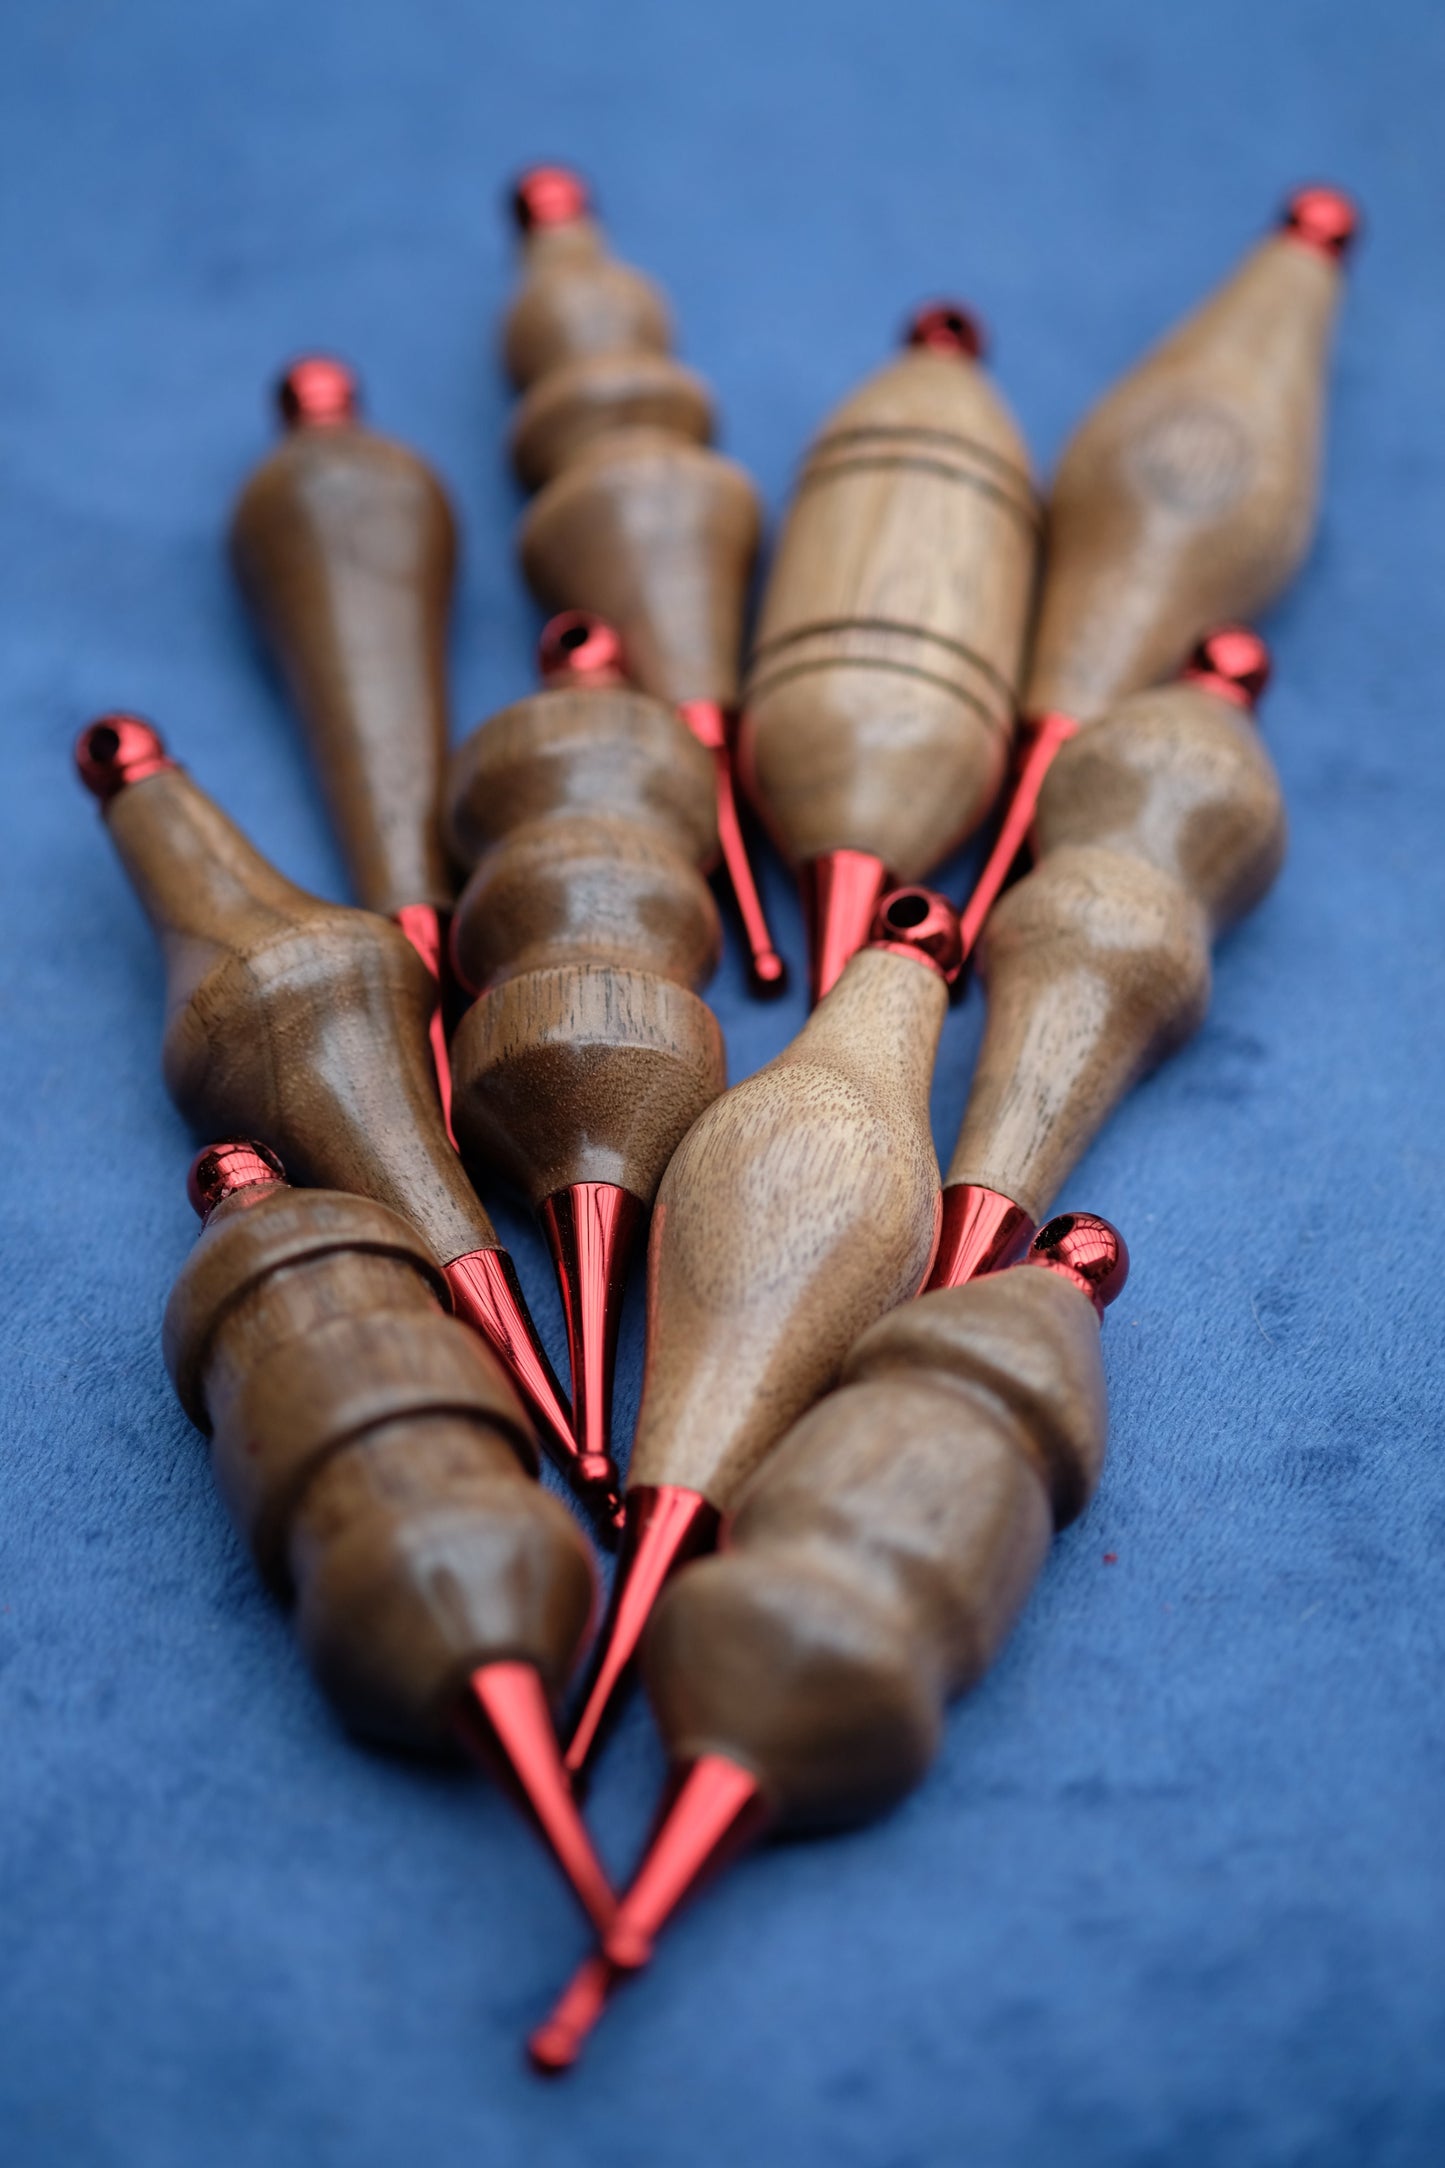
297,1022
636,519
800,1207
880,696
374,1458
587,815
344,546
877,1562
1188,495
1156,827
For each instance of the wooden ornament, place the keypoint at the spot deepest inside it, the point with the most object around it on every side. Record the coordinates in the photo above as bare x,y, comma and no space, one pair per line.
636,519
379,1466
585,814
872,1570
1157,827
885,671
1189,493
304,1024
802,1205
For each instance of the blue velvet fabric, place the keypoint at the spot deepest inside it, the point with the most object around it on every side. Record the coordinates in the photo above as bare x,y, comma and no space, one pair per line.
1174,1892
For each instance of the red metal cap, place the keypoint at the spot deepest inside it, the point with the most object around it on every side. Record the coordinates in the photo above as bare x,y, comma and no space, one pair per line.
981,1231
218,1171
1323,219
506,1720
577,648
1084,1249
948,328
116,751
920,924
1232,662
550,196
841,893
318,392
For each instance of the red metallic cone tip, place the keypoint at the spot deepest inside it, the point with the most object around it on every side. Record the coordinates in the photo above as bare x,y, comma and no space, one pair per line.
717,1809
921,924
425,928
841,893
981,1231
577,648
487,1295
665,1525
1232,662
515,1734
1042,736
1323,219
550,196
318,392
947,328
591,1230
1084,1249
118,750
708,722
218,1171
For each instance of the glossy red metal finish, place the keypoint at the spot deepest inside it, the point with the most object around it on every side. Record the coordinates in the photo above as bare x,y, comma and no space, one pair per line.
1043,735
426,929
550,196
318,392
116,751
948,328
577,648
1323,219
709,725
219,1171
664,1526
841,894
506,1721
716,1810
923,926
592,1230
487,1296
1232,663
1085,1249
982,1231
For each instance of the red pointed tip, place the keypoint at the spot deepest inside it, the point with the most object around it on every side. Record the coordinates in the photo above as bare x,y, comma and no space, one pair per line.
708,723
591,1230
116,751
982,1231
841,893
1232,662
516,1734
716,1810
426,929
664,1525
487,1296
1044,734
318,392
1323,219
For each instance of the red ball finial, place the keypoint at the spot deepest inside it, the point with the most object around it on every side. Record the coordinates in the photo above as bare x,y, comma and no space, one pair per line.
1323,219
920,923
1086,1250
550,196
219,1170
1232,662
577,648
118,750
318,392
948,328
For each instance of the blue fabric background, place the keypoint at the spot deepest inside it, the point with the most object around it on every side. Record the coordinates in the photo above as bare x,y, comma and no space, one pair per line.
1174,1893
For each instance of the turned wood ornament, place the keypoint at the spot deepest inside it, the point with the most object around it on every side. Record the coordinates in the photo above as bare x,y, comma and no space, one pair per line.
1157,827
636,519
871,1572
802,1205
880,695
585,814
379,1466
305,1024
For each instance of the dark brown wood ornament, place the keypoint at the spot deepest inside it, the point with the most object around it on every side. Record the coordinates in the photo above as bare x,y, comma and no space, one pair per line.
380,1468
872,1570
585,814
304,1024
